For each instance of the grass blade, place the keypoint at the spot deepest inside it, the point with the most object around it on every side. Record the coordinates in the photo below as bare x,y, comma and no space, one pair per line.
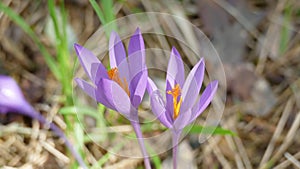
98,11
106,15
197,129
26,28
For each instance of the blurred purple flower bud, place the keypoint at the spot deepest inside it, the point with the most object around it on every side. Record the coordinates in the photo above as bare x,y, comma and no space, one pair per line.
12,100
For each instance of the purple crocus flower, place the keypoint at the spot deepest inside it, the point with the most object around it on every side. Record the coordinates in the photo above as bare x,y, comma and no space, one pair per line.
123,86
181,107
12,100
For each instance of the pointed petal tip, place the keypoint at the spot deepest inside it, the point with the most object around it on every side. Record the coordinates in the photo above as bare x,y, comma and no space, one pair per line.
114,39
137,33
202,65
215,83
78,49
138,30
202,60
113,33
175,52
174,48
113,36
213,86
151,87
77,46
77,80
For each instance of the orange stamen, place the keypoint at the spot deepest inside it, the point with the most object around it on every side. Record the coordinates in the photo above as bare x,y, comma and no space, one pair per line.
113,74
176,92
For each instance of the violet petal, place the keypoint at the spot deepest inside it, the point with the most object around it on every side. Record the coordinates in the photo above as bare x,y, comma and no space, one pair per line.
183,119
151,87
88,61
11,97
116,96
136,54
192,86
175,75
175,72
116,50
117,55
137,88
169,101
86,87
158,108
205,100
165,119
101,72
101,98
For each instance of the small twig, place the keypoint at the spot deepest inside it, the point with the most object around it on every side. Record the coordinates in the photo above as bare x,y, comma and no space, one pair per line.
237,156
287,162
55,152
216,150
243,153
265,49
129,163
289,137
284,117
292,159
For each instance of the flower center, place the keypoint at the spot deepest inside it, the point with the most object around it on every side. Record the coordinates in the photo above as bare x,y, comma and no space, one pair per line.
113,74
176,92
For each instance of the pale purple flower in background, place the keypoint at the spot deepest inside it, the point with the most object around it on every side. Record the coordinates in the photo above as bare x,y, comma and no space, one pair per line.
13,101
122,87
181,107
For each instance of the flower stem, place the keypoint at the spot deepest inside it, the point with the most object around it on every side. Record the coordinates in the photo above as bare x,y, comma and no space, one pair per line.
175,140
137,129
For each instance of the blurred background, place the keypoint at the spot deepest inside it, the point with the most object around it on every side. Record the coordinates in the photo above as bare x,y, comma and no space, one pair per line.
258,42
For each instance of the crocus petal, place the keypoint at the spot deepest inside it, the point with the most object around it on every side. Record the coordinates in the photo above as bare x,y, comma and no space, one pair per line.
192,86
101,98
116,50
10,93
137,88
205,100
117,55
175,72
88,61
116,96
175,75
151,87
158,108
12,99
182,120
136,53
169,101
97,95
86,87
100,73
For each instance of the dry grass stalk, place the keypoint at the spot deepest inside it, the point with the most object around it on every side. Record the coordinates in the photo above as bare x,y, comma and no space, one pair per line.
284,117
287,162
